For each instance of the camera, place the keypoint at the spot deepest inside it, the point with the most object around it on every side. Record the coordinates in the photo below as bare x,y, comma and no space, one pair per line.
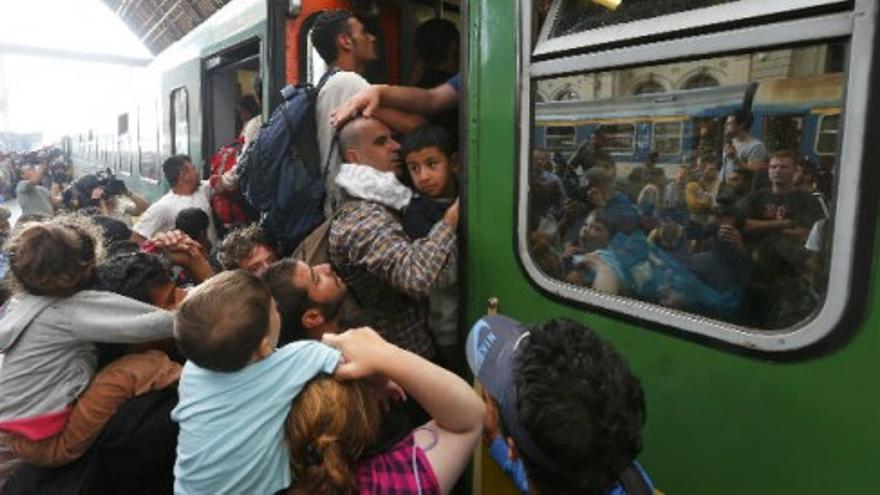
79,194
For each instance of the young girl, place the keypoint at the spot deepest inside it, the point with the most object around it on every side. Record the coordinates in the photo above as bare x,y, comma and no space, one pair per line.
331,424
53,406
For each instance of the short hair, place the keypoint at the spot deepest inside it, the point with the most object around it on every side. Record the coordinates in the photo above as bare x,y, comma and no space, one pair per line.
327,27
221,322
350,135
598,175
425,137
785,155
432,40
292,301
114,230
578,399
240,242
192,222
134,274
55,257
743,118
173,166
249,103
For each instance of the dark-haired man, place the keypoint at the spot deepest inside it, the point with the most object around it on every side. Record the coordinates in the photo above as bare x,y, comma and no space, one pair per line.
742,150
347,48
187,191
563,402
248,248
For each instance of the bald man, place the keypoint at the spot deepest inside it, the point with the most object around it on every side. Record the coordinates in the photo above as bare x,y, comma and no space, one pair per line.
383,269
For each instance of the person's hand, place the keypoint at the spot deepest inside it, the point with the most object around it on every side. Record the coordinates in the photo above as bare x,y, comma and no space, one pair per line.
97,193
729,234
729,150
363,350
364,103
451,216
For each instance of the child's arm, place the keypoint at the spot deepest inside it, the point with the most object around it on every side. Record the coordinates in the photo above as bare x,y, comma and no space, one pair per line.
456,410
98,316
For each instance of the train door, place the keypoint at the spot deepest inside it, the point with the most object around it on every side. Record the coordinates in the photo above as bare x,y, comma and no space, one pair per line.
230,77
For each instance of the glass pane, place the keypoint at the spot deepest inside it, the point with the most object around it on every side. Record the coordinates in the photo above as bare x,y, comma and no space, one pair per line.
179,122
583,15
708,200
149,142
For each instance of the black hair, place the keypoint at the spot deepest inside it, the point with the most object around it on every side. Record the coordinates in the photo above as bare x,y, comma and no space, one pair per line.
192,222
432,40
292,302
114,230
578,400
249,104
427,136
327,27
134,274
173,167
743,118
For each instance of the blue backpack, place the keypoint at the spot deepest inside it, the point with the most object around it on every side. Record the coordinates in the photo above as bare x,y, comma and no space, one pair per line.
280,171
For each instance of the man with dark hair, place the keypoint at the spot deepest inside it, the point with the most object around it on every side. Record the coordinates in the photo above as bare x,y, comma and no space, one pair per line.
591,153
194,222
744,151
385,269
309,298
564,402
347,48
248,248
187,191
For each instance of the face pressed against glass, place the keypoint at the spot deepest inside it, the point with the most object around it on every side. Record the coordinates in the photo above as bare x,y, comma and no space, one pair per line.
722,232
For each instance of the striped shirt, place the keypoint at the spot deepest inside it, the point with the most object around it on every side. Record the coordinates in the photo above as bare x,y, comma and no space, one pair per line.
391,473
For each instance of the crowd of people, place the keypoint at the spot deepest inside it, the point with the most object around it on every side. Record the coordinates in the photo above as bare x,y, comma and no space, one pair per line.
145,349
739,235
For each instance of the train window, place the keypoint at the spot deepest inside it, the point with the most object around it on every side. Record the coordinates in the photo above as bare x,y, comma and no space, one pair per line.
123,144
722,234
827,136
666,138
179,121
618,138
149,142
560,138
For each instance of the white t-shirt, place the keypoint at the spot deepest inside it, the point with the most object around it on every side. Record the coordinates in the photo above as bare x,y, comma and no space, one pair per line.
160,216
338,89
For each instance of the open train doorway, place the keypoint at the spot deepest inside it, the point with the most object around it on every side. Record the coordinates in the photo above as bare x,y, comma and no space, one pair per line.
232,83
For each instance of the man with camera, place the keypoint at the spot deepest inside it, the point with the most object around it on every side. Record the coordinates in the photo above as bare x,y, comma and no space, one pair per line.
33,198
108,194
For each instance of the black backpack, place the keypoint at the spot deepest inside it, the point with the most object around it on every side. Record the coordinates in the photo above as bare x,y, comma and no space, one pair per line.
280,172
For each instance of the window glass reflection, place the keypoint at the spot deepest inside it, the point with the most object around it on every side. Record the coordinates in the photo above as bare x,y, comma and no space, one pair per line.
712,197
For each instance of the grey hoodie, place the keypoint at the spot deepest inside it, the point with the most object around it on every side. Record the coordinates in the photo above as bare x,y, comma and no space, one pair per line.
49,345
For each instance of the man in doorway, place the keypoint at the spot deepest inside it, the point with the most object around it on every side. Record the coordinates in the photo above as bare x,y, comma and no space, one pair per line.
187,191
347,48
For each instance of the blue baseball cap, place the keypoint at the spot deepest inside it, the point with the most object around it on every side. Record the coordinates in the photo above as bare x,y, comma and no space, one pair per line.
491,350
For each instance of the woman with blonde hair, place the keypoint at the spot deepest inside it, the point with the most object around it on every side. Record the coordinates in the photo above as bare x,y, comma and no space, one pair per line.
332,423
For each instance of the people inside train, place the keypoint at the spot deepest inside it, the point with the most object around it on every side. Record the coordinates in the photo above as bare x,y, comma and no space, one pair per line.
700,194
33,197
436,45
187,191
384,269
252,118
333,424
431,163
347,48
650,198
591,153
236,387
52,417
249,248
741,149
546,191
564,412
735,187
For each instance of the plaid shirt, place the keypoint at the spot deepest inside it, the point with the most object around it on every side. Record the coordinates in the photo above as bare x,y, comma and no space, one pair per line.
388,272
391,473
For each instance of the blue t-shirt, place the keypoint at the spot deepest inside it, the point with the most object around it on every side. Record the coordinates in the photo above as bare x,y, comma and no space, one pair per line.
455,82
232,424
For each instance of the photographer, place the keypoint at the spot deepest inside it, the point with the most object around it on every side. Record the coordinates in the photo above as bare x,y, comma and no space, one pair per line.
107,194
33,198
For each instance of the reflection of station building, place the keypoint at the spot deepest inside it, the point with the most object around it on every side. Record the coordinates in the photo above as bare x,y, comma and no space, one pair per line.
721,71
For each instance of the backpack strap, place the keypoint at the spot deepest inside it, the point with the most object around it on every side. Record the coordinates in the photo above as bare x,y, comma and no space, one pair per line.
633,482
335,140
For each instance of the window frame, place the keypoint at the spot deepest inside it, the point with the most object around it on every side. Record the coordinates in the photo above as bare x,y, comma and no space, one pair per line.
836,133
679,135
856,25
574,143
173,119
680,21
632,135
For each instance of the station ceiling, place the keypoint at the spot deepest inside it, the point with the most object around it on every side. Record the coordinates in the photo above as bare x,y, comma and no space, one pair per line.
159,23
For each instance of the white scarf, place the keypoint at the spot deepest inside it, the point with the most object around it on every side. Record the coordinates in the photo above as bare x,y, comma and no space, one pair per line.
367,183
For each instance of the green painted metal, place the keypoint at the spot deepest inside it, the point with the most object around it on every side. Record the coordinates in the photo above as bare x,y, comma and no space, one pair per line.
717,422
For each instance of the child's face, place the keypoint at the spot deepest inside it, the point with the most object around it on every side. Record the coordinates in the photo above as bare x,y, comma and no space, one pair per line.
432,172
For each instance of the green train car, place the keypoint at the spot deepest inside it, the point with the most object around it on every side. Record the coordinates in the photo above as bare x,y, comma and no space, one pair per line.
737,403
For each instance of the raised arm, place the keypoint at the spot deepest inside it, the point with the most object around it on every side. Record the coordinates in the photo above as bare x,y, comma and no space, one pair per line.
457,411
375,98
